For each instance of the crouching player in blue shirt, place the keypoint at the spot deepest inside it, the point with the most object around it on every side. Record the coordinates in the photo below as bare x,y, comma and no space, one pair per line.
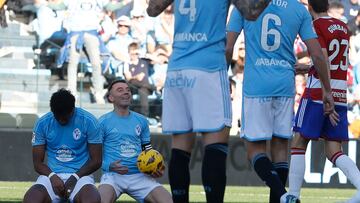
125,135
71,139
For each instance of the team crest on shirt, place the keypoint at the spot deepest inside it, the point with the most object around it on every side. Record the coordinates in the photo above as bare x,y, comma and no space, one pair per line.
76,134
138,130
33,138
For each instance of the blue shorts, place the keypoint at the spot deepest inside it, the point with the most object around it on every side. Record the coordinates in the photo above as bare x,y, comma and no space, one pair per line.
311,123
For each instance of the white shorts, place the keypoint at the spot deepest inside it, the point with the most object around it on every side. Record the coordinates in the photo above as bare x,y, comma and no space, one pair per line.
45,181
196,101
264,117
138,185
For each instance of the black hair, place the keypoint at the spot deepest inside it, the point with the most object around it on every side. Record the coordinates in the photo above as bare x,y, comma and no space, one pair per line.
116,81
62,102
319,6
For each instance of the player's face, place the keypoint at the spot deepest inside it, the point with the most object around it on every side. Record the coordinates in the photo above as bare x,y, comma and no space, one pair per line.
120,94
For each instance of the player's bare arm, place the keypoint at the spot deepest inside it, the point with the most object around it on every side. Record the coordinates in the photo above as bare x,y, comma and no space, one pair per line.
157,6
251,9
231,38
94,162
322,69
41,168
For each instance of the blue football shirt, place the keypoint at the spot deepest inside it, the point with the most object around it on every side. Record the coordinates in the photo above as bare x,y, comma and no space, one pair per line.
199,35
269,43
66,146
122,139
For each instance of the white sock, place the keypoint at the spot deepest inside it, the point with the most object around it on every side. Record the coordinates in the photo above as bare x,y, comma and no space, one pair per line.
296,171
349,168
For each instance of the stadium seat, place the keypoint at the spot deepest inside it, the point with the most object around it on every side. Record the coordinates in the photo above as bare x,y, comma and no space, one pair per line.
7,121
24,120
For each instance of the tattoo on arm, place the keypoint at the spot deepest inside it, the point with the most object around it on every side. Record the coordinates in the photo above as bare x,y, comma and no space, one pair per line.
157,6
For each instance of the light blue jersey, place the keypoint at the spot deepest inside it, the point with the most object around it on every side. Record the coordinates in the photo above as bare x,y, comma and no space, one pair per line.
66,146
199,36
122,139
269,67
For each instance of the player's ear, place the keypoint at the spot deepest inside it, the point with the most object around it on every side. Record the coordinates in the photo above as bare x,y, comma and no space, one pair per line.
110,98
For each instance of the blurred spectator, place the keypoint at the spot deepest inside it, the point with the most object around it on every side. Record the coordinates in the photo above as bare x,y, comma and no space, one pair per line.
336,10
164,30
354,25
351,8
160,61
136,72
107,25
118,45
139,29
49,23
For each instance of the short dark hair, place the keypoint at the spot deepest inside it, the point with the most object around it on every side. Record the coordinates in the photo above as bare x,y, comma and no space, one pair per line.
319,6
116,81
336,4
62,102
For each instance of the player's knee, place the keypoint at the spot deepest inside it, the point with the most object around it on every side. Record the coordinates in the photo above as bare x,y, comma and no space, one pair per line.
88,194
37,193
299,142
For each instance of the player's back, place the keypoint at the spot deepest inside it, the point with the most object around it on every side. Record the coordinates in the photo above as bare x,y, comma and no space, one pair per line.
199,37
333,35
269,47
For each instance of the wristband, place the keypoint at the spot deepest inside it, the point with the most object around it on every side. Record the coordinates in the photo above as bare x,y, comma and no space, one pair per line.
51,175
76,176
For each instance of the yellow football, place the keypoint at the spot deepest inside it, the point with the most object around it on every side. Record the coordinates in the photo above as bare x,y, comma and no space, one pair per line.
150,161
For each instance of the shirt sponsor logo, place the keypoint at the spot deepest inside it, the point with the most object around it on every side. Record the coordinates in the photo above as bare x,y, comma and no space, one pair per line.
272,62
190,37
128,149
65,154
76,134
180,82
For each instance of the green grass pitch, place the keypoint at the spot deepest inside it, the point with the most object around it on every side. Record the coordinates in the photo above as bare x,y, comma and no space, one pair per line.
14,191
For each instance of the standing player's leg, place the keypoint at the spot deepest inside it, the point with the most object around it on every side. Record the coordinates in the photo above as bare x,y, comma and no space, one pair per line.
297,164
214,164
279,157
264,168
345,164
179,172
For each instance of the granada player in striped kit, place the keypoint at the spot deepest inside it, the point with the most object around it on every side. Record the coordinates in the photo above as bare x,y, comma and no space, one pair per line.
310,122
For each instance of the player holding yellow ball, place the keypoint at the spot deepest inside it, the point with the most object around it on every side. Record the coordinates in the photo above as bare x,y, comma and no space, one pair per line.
126,135
150,161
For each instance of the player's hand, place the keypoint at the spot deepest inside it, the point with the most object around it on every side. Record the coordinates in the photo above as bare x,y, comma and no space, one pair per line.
158,173
334,118
301,68
69,186
118,168
329,108
58,186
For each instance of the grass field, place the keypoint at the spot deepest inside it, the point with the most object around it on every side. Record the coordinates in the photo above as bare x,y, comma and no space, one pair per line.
14,191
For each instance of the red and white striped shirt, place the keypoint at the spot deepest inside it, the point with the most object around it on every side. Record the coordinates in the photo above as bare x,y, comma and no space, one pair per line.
333,36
